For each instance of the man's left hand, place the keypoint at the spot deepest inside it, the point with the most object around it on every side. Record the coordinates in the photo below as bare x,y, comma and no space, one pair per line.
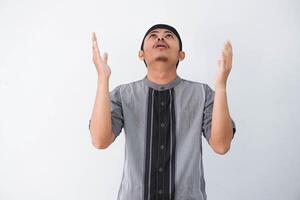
225,64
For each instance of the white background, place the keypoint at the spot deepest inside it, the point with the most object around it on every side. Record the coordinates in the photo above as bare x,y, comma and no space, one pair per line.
48,85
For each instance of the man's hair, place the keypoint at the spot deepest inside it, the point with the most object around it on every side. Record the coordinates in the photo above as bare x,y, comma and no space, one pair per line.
165,26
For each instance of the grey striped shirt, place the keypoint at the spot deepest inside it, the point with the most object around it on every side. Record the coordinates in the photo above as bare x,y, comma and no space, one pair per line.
163,127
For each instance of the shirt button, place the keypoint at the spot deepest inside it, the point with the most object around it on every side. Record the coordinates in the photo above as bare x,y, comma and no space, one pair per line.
162,125
160,169
160,191
162,103
162,146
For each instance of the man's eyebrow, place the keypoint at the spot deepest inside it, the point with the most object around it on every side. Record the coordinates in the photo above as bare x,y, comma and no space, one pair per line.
154,31
169,32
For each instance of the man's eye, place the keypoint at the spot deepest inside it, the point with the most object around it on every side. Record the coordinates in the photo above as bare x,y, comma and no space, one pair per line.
152,35
169,35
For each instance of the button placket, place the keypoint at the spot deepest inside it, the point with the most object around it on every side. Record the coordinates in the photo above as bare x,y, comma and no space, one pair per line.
160,170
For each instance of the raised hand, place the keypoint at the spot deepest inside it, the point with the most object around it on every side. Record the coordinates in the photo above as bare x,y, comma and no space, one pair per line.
103,69
225,65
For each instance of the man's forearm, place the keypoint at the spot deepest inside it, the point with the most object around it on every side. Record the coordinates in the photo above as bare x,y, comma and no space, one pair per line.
221,130
101,116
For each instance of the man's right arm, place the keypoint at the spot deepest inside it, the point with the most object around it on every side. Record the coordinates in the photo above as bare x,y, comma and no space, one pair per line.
100,123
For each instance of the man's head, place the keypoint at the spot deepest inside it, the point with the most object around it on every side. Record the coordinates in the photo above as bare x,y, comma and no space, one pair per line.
161,43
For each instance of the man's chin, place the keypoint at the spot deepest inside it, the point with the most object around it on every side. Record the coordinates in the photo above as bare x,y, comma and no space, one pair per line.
161,59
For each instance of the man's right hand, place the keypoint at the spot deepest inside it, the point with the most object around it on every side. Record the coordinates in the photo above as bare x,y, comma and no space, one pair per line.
103,69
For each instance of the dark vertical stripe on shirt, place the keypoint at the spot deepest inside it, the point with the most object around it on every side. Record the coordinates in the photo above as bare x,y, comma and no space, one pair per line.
148,144
173,142
154,184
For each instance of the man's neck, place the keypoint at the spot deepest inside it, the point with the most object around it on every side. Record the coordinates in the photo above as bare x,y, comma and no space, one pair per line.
161,77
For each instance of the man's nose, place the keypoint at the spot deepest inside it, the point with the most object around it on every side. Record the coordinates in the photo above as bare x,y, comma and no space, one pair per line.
160,38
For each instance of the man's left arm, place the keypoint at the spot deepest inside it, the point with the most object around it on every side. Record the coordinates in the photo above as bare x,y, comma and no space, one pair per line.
222,126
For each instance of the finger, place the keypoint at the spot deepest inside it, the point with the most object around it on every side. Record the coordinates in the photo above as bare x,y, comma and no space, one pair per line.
228,58
229,46
94,40
95,47
95,44
93,36
96,53
226,47
229,49
105,57
229,43
224,59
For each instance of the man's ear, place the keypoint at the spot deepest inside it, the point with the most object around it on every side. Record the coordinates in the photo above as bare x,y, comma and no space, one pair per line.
141,55
181,55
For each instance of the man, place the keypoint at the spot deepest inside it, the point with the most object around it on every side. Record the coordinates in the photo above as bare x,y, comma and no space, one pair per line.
163,116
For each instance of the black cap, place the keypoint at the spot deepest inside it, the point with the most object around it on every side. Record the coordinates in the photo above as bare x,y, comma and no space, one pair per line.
165,26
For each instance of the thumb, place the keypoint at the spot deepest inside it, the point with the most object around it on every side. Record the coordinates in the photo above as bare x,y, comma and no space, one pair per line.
105,56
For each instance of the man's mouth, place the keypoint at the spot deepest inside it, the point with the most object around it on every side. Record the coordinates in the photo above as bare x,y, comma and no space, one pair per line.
161,45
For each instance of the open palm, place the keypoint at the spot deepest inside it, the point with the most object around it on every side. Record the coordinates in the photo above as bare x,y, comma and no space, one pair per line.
225,64
102,67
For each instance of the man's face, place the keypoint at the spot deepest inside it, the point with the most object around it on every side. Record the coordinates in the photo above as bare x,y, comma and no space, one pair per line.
161,45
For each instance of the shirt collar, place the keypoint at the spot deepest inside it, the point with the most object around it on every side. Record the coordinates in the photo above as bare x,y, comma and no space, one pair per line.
161,87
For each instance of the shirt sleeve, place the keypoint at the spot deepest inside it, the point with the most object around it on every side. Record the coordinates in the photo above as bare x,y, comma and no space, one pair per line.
116,110
117,118
207,113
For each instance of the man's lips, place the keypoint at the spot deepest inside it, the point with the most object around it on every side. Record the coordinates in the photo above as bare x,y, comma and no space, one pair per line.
161,45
